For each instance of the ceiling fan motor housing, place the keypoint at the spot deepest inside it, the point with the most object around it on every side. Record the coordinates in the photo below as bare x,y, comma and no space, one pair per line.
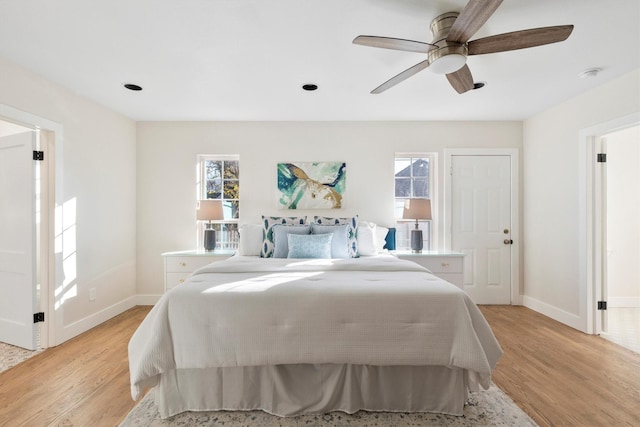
441,24
447,56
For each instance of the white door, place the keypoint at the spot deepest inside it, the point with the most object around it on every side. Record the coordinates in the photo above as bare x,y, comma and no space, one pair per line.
481,224
17,240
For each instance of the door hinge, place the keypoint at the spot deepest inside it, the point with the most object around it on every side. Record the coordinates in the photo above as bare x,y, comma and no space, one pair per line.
602,305
602,157
38,317
38,155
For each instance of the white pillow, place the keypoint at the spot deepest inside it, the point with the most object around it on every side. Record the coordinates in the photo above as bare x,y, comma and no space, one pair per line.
250,239
380,235
367,242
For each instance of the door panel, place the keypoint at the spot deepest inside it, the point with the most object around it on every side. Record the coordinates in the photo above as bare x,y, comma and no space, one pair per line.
17,240
481,212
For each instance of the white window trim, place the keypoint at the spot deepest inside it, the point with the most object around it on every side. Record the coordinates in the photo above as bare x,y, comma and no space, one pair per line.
200,178
433,190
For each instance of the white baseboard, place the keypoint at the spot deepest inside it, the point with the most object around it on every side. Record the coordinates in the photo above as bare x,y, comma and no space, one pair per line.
623,302
147,299
76,328
555,313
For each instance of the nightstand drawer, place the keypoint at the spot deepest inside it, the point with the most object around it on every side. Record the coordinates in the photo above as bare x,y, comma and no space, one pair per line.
175,279
446,265
442,264
179,265
176,264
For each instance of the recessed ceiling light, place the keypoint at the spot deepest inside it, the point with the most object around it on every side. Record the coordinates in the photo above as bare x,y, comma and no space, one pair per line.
131,86
309,87
479,85
590,73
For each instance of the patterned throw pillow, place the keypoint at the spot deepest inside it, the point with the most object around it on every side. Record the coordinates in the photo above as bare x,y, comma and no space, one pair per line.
309,245
353,228
267,232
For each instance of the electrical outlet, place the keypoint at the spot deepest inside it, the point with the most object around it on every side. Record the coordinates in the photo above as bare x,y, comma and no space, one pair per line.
92,294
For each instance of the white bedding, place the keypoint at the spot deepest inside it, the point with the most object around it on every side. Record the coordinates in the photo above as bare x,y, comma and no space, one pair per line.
250,311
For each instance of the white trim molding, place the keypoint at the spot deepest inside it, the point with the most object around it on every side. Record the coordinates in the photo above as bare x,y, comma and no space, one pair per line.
553,312
76,328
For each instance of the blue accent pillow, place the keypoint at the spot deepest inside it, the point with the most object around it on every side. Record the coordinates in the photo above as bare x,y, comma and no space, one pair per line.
390,240
280,240
340,241
353,229
310,246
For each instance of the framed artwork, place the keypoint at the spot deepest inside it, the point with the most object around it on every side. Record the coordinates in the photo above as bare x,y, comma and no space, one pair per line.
311,185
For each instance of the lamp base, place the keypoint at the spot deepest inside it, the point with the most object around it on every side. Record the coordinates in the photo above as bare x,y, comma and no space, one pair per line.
416,241
209,239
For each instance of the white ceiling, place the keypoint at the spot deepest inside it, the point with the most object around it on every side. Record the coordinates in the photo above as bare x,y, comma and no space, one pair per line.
247,59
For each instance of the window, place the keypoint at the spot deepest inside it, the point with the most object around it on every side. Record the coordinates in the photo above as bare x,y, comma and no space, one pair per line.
219,179
414,178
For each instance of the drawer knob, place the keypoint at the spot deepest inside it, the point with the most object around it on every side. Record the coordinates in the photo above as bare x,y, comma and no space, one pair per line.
445,264
182,264
181,280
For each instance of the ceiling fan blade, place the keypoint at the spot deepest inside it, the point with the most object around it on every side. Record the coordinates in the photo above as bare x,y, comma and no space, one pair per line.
472,17
393,43
461,80
401,77
519,39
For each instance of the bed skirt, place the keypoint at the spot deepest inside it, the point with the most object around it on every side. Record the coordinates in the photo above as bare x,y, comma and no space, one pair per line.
289,390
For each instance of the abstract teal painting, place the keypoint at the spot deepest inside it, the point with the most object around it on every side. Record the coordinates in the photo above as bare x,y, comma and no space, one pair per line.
312,185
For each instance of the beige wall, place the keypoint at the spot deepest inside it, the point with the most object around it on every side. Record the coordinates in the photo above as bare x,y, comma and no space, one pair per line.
97,203
167,170
552,206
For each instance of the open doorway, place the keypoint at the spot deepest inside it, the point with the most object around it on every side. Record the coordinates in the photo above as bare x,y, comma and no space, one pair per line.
20,231
46,194
621,241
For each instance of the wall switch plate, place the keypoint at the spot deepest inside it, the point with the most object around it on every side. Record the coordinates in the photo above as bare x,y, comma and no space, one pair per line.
92,294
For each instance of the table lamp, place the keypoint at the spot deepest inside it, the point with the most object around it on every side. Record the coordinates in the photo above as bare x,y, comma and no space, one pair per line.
209,210
418,209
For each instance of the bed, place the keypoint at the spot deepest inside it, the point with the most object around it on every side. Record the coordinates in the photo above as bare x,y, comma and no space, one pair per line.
295,336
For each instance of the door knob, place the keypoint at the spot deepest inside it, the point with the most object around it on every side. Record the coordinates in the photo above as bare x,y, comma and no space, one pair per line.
508,242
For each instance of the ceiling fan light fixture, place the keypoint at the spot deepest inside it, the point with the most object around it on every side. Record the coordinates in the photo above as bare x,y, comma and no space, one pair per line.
448,64
447,59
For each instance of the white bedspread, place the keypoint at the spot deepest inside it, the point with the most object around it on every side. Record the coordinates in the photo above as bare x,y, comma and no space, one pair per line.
249,311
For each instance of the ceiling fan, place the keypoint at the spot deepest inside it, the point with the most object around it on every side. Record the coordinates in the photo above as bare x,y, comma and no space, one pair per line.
447,53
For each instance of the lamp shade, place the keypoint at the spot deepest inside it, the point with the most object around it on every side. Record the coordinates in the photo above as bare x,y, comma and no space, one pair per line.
209,210
417,209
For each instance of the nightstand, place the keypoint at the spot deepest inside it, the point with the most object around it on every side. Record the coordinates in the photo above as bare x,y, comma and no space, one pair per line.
179,265
446,265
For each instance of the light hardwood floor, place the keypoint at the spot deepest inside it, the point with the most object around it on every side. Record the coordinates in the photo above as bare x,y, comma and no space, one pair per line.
559,376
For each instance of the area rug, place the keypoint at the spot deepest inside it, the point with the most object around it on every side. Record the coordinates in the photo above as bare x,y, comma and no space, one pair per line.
11,355
486,408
